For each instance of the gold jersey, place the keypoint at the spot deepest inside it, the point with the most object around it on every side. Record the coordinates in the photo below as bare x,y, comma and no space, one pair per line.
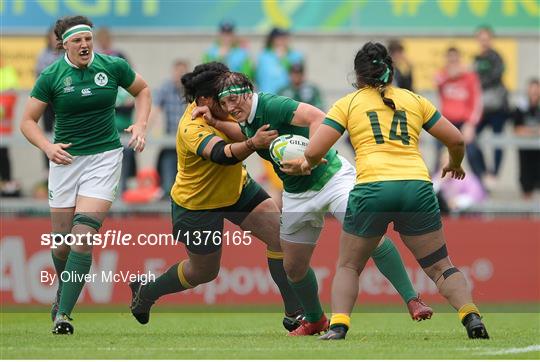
385,141
200,183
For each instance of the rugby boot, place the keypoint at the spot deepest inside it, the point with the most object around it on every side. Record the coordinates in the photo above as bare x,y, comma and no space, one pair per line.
293,321
338,331
308,328
62,325
418,309
475,327
140,306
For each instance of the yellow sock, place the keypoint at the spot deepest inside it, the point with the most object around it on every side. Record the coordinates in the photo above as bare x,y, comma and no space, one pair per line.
182,277
277,255
466,310
340,318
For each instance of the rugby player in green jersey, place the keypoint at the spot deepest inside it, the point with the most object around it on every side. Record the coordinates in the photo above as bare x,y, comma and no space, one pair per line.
86,155
306,199
212,185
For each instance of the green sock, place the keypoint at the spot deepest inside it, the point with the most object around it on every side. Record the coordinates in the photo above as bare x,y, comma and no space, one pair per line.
291,302
59,266
77,265
166,283
389,263
307,291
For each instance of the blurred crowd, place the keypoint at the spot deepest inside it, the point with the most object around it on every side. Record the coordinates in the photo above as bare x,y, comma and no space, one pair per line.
472,96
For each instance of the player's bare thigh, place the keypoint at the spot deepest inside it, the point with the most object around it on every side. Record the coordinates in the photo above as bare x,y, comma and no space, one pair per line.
263,222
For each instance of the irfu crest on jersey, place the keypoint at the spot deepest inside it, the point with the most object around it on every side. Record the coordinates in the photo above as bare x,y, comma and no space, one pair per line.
101,79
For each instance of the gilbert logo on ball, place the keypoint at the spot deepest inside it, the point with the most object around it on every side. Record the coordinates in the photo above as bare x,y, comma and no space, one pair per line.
288,147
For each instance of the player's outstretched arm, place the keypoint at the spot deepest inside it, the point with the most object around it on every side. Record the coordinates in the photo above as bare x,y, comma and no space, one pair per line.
452,138
143,102
231,129
319,145
29,127
230,154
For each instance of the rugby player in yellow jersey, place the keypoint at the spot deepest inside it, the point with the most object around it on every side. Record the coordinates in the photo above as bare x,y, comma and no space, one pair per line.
212,185
392,185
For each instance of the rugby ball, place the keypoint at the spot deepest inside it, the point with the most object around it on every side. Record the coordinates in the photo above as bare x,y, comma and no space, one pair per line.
287,147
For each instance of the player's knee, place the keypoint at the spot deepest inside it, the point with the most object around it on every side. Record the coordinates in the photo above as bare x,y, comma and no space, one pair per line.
267,205
295,271
61,252
435,263
83,222
351,265
440,274
441,270
273,244
61,249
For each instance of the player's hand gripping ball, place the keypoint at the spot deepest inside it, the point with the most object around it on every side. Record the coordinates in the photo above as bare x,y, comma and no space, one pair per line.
288,147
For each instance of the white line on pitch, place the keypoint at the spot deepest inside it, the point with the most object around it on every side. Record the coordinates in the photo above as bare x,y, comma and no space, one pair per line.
532,348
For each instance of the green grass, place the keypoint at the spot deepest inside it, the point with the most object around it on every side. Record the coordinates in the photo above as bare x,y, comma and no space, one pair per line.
260,336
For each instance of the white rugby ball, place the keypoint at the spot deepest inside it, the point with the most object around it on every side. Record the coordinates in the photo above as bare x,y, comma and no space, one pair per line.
288,147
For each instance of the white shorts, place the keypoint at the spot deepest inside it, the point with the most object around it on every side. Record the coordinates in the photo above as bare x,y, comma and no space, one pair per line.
302,217
94,176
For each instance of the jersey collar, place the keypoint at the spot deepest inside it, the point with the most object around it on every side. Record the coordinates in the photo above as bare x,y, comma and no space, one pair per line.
73,65
254,103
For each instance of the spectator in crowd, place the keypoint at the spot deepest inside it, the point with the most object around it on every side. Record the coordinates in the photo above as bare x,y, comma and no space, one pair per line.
403,76
301,90
490,68
460,97
456,195
169,102
104,44
275,61
9,85
230,50
46,58
527,124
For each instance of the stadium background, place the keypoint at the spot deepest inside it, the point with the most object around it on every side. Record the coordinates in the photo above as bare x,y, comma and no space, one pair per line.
487,242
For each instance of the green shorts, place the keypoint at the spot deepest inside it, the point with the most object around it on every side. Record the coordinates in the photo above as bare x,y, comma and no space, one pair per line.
196,228
410,204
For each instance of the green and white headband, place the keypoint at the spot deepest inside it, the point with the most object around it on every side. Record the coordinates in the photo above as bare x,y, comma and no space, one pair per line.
233,90
82,28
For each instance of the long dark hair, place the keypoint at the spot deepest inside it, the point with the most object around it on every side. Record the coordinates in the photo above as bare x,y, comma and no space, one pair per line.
201,82
67,22
374,68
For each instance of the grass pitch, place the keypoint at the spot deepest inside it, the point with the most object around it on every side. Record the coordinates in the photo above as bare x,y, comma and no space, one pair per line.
216,335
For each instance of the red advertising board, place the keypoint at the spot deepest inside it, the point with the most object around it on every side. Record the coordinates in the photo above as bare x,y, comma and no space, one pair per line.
500,258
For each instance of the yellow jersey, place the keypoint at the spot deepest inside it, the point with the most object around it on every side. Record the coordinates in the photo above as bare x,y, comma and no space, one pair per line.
200,183
385,141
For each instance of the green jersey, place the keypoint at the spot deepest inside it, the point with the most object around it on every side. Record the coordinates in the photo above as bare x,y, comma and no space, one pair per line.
83,100
278,112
